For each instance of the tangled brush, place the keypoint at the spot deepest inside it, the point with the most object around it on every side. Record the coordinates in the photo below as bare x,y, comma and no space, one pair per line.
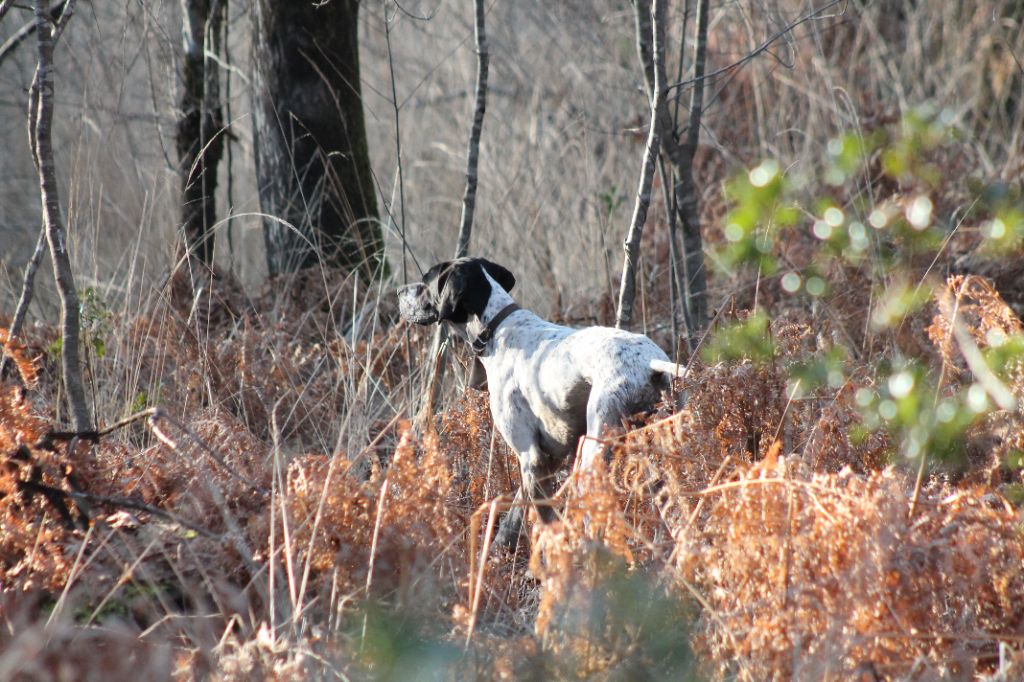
817,564
762,531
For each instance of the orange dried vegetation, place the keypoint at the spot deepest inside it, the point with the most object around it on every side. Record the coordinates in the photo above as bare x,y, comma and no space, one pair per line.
795,538
34,522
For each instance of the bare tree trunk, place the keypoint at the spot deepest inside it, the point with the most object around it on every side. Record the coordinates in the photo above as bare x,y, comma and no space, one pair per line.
680,153
200,133
689,201
469,198
476,372
41,120
312,160
627,288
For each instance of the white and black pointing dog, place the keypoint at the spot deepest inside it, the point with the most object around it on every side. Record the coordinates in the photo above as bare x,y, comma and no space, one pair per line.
549,385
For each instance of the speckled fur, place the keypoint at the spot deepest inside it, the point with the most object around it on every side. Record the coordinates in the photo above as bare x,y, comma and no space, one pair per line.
549,385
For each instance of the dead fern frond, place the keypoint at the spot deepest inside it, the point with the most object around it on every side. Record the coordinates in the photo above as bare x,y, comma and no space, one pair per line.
14,350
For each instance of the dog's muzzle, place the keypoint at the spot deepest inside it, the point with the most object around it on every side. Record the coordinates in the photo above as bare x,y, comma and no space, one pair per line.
413,305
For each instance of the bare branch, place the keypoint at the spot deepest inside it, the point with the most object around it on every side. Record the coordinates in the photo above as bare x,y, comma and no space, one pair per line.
396,107
60,21
697,96
4,6
27,290
469,198
19,36
760,49
126,503
627,288
158,414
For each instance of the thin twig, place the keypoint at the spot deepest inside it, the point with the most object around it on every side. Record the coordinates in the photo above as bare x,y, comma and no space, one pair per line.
1001,395
785,411
923,464
373,554
717,617
159,413
60,21
396,108
154,414
682,200
438,345
27,291
499,503
51,436
675,284
125,503
700,503
122,503
750,56
19,36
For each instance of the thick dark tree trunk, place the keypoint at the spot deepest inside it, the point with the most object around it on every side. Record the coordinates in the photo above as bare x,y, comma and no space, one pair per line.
312,161
200,133
689,202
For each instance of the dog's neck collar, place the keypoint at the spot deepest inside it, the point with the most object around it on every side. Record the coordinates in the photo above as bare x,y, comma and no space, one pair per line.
484,337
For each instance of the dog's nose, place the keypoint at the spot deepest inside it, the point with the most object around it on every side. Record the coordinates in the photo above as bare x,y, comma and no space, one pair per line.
414,306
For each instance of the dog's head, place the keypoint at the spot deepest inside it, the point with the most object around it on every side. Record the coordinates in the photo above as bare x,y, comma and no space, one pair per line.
452,291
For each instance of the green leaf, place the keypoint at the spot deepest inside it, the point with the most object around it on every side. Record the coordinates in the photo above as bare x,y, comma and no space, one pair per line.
748,339
897,302
823,370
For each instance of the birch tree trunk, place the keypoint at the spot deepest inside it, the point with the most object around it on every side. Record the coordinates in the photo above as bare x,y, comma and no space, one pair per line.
41,141
685,200
627,288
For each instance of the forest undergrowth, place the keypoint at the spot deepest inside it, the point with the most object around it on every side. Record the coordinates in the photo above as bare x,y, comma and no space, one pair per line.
839,496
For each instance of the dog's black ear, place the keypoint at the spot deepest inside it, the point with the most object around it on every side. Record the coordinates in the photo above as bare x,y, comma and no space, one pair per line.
500,274
450,293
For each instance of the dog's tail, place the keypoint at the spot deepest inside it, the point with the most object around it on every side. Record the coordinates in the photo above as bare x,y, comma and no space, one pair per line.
669,368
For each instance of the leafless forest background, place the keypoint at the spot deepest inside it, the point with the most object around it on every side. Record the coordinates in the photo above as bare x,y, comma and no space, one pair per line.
284,510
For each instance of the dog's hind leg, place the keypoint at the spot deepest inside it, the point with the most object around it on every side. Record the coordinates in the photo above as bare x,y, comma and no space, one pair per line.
537,471
609,404
511,525
603,412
